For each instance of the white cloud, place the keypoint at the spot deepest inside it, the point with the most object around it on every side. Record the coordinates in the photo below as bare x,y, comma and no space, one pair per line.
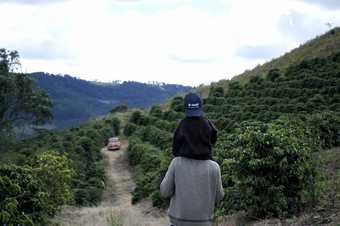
31,2
329,4
135,40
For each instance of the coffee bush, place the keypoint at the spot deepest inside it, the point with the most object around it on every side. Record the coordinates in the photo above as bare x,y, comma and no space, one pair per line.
267,169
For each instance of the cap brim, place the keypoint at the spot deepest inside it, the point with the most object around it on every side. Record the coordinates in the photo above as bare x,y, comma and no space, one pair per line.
194,112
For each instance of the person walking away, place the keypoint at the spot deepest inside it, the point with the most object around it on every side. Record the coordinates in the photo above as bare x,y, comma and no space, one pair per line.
193,179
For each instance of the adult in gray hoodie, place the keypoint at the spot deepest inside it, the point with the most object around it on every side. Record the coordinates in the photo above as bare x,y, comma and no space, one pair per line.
193,184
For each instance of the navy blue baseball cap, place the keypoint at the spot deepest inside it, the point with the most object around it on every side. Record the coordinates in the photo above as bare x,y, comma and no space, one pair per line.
193,105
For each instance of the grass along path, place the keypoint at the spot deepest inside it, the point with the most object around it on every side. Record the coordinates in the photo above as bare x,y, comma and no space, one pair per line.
116,208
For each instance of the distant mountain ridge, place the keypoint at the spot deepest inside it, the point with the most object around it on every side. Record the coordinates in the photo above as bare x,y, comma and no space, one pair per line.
76,100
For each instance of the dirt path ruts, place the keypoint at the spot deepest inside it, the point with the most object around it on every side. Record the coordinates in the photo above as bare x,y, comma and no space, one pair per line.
116,199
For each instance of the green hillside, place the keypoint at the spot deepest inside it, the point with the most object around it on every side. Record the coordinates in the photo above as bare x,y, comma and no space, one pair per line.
276,135
308,88
322,46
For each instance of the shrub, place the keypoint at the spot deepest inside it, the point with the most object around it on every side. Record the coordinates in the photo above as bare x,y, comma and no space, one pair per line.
164,125
326,127
29,195
155,136
129,129
216,91
156,111
22,202
139,118
135,150
267,169
151,165
177,104
172,115
116,126
93,135
273,74
55,173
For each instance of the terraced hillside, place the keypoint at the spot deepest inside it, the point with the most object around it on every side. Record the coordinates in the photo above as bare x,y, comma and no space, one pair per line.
274,130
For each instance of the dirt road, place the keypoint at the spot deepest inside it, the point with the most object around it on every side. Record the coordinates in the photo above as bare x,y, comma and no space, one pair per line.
116,202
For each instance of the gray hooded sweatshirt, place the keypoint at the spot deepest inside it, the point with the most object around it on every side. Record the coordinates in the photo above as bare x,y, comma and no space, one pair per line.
195,188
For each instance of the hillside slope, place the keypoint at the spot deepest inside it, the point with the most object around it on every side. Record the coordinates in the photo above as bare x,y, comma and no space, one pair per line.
273,136
322,46
319,47
76,100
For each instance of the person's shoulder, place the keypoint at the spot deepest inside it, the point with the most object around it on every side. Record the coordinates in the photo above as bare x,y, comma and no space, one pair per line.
179,159
214,165
176,160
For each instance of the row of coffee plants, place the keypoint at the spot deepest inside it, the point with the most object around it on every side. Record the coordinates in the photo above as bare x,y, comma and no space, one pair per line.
55,168
270,129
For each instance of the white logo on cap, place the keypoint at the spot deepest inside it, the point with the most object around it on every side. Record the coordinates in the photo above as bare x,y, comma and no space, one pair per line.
196,105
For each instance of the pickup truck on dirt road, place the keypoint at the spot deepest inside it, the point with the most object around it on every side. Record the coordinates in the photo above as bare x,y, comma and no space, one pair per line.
113,144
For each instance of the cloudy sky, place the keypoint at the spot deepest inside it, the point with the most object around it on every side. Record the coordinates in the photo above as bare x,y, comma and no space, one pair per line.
175,41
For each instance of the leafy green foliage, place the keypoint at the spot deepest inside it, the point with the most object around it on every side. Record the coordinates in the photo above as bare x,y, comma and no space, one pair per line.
9,61
129,129
267,168
21,102
151,164
326,128
307,88
139,118
216,91
63,167
177,104
55,174
157,137
156,111
31,194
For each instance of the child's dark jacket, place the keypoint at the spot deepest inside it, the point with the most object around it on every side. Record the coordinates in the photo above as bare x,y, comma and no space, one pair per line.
194,138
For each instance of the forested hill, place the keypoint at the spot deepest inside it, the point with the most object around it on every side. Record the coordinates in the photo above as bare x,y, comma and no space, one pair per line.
76,100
